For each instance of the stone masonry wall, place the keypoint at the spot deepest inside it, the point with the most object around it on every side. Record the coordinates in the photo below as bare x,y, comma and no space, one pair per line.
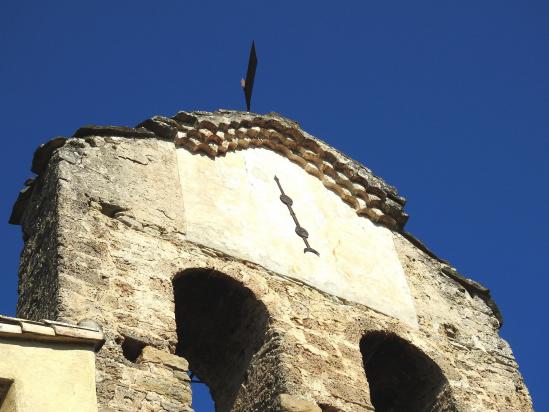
38,276
105,237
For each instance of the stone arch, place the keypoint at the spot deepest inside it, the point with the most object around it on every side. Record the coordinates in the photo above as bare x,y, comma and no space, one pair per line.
401,377
221,326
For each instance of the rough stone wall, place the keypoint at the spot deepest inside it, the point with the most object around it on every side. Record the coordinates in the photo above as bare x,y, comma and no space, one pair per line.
100,187
479,363
113,209
38,276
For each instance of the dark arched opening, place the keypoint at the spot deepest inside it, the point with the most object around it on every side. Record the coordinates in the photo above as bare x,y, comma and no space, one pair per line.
220,326
401,377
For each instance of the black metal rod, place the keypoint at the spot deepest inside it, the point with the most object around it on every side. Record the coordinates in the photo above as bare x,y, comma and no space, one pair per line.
299,230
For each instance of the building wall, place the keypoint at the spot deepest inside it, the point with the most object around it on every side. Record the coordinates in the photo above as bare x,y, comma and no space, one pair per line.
48,377
237,195
125,228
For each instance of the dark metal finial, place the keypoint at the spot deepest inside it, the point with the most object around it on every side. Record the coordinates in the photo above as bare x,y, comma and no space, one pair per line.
248,84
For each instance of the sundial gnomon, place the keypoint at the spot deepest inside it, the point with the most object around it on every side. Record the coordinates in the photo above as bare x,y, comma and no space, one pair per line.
299,230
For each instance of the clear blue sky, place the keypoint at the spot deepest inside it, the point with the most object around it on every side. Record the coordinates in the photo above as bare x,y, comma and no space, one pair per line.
446,100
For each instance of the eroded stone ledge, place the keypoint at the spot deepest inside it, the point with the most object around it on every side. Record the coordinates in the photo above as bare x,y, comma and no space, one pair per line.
121,131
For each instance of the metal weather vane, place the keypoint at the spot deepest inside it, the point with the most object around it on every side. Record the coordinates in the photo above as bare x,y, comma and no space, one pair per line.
248,84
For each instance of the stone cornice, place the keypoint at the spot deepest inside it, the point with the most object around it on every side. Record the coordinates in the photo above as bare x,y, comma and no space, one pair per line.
215,134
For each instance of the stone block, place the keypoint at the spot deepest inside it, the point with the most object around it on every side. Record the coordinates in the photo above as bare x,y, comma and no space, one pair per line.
153,355
290,403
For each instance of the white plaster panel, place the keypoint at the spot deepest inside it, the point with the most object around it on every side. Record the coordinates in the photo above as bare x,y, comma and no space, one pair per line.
231,203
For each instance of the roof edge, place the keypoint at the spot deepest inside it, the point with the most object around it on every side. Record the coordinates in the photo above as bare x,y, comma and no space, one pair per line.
473,287
216,133
86,332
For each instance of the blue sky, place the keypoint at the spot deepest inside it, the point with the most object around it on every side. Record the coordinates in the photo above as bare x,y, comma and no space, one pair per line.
446,100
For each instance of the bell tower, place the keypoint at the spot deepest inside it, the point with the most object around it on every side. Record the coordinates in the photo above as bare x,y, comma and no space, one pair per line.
275,268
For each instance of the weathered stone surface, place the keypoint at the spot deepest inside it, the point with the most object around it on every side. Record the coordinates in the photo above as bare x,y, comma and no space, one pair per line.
108,236
121,131
43,153
38,280
153,355
289,403
20,205
473,287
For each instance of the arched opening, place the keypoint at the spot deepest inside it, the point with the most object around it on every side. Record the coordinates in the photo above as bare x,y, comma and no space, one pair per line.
220,326
401,377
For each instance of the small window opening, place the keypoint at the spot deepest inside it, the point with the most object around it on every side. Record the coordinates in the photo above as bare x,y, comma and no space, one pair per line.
132,348
7,396
401,377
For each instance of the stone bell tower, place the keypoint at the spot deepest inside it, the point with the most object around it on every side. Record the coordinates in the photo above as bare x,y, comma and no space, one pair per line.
274,267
